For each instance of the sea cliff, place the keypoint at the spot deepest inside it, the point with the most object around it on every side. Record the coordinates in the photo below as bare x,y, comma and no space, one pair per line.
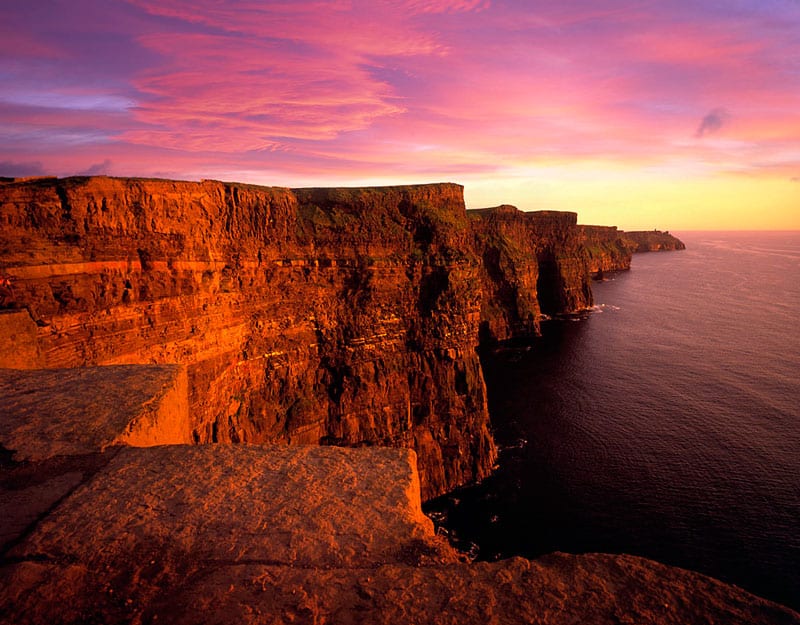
654,241
142,318
344,316
303,316
610,249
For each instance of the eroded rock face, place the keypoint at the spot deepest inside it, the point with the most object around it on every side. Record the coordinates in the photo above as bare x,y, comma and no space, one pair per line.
345,316
333,316
607,249
532,264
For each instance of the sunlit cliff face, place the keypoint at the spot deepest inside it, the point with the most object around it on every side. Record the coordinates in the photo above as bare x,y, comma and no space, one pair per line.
679,115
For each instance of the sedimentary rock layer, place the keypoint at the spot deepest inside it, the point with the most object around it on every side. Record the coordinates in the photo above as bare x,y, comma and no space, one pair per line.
345,316
334,316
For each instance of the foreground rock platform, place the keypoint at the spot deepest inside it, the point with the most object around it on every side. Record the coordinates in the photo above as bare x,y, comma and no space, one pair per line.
266,534
52,412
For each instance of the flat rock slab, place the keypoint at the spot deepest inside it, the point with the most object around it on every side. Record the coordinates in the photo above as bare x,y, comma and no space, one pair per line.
261,534
296,506
146,520
55,412
554,590
559,589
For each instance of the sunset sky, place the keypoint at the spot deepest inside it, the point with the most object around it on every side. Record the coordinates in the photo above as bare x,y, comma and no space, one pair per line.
674,115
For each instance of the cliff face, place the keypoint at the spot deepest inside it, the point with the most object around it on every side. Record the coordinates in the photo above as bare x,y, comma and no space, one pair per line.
333,316
533,264
607,249
564,286
654,241
313,316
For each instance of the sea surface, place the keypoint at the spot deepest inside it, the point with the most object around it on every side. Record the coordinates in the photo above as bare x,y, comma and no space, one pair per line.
664,424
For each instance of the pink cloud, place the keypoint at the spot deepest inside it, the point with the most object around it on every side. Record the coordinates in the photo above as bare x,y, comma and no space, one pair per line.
233,95
443,6
357,88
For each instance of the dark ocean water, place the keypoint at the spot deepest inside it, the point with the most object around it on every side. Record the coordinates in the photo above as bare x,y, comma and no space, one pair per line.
666,424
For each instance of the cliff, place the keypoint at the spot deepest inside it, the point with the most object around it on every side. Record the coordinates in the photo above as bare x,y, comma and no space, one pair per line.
607,249
310,316
321,316
532,265
654,241
610,249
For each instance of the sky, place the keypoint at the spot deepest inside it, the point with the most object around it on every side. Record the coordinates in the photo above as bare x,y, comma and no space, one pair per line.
673,115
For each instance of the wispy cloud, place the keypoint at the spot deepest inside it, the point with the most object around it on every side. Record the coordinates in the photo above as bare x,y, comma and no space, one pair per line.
14,169
712,122
362,89
98,169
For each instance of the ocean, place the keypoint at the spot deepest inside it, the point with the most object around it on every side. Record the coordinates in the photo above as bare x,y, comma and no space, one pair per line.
665,423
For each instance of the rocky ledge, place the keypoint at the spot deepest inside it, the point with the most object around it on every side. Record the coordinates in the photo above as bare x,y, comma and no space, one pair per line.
282,534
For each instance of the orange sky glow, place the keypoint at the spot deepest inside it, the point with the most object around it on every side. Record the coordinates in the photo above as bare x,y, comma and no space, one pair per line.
672,115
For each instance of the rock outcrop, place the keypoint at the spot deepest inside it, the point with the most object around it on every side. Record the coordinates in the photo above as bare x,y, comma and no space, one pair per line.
607,249
65,412
322,316
296,534
532,265
654,241
340,316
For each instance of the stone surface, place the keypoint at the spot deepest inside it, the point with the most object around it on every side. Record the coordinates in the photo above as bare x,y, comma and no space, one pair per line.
19,348
52,412
264,534
554,590
302,506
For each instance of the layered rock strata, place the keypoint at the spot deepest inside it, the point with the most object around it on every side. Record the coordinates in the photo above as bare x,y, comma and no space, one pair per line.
532,264
332,316
345,316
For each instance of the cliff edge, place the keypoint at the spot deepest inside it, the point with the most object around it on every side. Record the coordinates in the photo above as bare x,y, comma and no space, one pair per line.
324,316
286,534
